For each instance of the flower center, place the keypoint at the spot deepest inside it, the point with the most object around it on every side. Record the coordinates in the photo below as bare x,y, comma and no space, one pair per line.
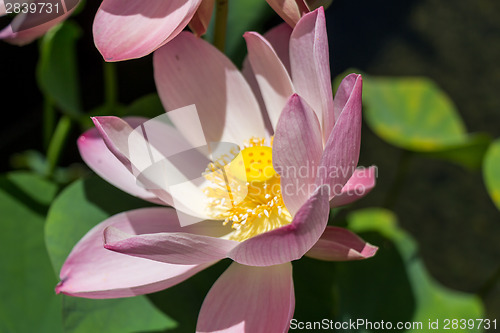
247,193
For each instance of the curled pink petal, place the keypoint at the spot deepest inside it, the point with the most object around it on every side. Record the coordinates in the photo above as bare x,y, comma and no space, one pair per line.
310,67
360,184
339,244
273,79
289,10
127,29
91,271
172,247
249,299
290,242
226,106
297,149
341,153
201,19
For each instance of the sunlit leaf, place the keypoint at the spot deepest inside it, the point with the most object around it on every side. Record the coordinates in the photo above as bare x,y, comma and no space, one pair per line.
75,211
28,301
491,171
57,71
412,113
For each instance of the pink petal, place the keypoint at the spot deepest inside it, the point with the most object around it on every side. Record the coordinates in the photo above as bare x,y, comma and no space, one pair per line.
3,11
173,247
273,79
290,242
92,271
249,299
26,27
311,67
289,10
341,153
339,244
279,38
201,19
188,70
297,150
343,93
360,184
100,159
126,29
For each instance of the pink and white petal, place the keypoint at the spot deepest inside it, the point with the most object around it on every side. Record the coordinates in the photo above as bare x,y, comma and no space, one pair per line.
26,27
127,29
360,184
273,79
289,10
201,19
188,70
279,38
341,153
249,299
297,149
339,244
99,158
290,242
173,247
91,271
310,67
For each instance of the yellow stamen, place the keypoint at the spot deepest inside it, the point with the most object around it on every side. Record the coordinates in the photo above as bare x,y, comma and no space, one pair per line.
247,192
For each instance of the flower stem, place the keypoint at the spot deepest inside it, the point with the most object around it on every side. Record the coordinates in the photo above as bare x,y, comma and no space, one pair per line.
221,11
110,85
57,143
49,113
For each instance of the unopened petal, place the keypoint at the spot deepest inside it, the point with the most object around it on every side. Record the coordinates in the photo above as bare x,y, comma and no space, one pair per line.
201,19
289,10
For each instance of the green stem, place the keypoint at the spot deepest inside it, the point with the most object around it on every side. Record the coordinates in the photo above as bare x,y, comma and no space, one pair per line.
57,143
49,113
399,180
110,85
221,10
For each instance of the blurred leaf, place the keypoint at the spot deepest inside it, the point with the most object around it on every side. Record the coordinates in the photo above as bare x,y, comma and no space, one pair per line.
432,301
57,71
75,211
470,153
491,172
36,162
412,113
244,15
27,280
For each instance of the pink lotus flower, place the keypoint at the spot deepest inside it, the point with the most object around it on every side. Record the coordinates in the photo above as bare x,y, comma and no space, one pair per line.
37,19
146,250
127,29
